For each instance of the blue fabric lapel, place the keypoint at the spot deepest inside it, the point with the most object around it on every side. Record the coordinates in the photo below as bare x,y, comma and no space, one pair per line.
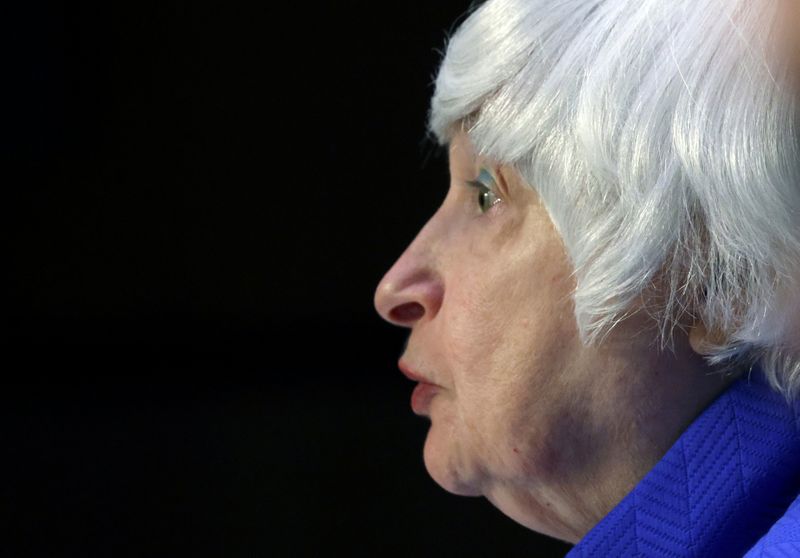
727,479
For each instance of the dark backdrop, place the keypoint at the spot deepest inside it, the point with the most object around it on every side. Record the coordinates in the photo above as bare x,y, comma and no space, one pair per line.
201,198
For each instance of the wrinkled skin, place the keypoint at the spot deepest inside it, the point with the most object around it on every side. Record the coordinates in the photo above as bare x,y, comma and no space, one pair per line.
552,432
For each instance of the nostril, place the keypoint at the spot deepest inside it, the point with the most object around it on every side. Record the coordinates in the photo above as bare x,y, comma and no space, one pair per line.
407,312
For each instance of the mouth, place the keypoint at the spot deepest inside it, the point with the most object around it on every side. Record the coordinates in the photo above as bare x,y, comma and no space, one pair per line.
421,398
424,391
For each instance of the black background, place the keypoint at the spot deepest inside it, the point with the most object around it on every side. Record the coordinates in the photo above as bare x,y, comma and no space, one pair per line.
201,198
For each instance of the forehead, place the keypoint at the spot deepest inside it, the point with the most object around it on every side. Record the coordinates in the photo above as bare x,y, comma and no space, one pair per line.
461,151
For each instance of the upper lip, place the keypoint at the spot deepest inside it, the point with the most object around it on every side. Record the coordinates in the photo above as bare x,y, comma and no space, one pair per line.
412,374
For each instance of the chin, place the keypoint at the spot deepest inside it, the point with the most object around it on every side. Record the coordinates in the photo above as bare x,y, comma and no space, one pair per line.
439,454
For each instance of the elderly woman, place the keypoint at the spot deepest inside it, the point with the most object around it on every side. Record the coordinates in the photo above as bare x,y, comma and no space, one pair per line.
604,312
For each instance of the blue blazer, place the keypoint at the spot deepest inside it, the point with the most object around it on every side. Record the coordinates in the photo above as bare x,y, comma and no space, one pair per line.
728,487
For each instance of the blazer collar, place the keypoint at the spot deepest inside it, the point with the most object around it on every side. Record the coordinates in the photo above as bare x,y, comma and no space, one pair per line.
730,475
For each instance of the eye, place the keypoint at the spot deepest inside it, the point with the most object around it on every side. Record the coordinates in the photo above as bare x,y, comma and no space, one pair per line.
486,185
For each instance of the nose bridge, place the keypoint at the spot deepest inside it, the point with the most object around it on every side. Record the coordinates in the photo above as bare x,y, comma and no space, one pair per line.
412,286
422,247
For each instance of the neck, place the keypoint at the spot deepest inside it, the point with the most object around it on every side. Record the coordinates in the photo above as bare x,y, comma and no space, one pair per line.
660,400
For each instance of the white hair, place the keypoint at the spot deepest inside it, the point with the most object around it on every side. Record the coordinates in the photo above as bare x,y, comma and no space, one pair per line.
661,136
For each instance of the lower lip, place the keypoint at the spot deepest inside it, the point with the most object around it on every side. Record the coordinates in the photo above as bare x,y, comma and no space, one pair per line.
421,397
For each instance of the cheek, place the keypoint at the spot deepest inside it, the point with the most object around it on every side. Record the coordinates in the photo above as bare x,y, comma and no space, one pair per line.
510,320
508,341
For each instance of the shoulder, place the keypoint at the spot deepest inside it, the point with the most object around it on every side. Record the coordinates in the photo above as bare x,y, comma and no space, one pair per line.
783,538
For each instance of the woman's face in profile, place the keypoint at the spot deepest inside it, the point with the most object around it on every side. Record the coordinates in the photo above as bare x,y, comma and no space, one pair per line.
523,414
485,289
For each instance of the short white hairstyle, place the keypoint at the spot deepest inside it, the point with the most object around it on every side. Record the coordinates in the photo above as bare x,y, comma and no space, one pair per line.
661,136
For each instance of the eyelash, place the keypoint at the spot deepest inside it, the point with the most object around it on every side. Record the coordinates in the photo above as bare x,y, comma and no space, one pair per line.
485,176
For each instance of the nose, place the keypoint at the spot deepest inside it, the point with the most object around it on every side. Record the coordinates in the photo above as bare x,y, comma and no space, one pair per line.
411,290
